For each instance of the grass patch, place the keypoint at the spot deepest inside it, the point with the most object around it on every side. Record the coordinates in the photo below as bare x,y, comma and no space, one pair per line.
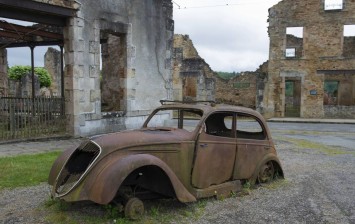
25,170
277,184
305,144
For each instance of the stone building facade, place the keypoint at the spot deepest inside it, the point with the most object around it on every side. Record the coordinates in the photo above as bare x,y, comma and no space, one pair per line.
142,31
144,71
311,75
193,79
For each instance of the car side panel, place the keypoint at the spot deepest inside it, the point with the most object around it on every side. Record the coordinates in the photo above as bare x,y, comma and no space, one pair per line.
214,160
249,153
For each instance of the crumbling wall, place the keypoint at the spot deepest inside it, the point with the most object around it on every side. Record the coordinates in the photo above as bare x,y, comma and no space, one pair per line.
193,79
3,72
323,45
240,90
52,63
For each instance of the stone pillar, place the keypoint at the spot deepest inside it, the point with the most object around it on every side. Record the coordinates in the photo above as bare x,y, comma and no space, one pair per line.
52,63
3,72
74,74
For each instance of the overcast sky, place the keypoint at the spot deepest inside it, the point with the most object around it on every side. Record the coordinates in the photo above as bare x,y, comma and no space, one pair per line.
229,38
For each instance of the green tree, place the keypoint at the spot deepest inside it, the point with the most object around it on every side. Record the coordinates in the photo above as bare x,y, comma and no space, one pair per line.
18,71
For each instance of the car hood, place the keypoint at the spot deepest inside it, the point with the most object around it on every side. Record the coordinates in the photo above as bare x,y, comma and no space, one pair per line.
141,137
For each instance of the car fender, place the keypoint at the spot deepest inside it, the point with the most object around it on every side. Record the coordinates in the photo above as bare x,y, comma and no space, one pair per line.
110,177
58,165
267,157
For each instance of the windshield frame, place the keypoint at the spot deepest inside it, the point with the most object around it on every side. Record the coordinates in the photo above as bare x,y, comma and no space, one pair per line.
181,118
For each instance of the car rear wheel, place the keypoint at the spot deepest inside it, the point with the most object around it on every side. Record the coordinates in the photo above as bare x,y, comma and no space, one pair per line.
266,173
134,209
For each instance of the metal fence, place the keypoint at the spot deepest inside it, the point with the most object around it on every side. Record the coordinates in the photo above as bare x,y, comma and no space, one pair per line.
24,118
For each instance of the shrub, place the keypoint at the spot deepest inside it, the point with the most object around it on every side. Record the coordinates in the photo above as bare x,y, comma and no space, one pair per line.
18,71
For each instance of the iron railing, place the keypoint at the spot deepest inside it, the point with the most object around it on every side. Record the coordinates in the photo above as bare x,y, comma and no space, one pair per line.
25,118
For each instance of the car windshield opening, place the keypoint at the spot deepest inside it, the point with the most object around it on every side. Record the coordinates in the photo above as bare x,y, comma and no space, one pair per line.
186,119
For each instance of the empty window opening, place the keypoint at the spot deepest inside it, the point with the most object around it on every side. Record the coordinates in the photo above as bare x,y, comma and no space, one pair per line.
220,124
333,5
292,97
248,127
331,92
339,89
113,71
294,42
190,88
349,41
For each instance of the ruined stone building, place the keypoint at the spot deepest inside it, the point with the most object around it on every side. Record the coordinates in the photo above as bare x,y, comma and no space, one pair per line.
193,79
246,89
132,38
311,70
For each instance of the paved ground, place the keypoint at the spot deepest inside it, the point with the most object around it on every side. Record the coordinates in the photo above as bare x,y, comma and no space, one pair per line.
12,149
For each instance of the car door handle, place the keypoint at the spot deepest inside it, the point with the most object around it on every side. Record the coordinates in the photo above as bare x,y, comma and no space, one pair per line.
203,145
267,147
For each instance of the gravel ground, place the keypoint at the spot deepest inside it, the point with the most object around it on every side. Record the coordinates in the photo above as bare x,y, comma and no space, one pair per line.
319,188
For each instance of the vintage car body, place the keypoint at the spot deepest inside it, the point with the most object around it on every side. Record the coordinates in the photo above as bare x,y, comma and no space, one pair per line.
202,155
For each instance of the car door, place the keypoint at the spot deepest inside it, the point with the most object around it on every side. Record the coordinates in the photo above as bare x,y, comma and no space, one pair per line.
252,145
215,151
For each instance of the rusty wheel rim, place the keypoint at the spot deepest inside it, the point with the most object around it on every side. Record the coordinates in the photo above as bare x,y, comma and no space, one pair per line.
266,173
134,209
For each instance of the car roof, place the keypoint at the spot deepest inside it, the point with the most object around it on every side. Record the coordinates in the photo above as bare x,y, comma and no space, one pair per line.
208,108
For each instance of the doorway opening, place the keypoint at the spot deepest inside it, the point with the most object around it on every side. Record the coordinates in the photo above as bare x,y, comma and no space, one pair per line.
292,98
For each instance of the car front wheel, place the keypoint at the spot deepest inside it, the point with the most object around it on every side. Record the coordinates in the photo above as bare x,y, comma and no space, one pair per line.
134,209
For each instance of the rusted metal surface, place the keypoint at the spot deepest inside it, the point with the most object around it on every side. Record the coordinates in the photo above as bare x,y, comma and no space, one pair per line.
210,159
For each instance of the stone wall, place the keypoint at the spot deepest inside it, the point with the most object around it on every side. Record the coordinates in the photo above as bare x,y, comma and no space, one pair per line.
52,63
146,78
3,72
240,90
323,47
193,79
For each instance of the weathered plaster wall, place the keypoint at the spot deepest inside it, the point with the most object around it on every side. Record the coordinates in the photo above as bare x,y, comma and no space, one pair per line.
193,79
3,72
323,45
148,28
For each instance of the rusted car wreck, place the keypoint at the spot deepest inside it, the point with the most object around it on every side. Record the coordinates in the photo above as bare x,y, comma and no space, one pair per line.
183,151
